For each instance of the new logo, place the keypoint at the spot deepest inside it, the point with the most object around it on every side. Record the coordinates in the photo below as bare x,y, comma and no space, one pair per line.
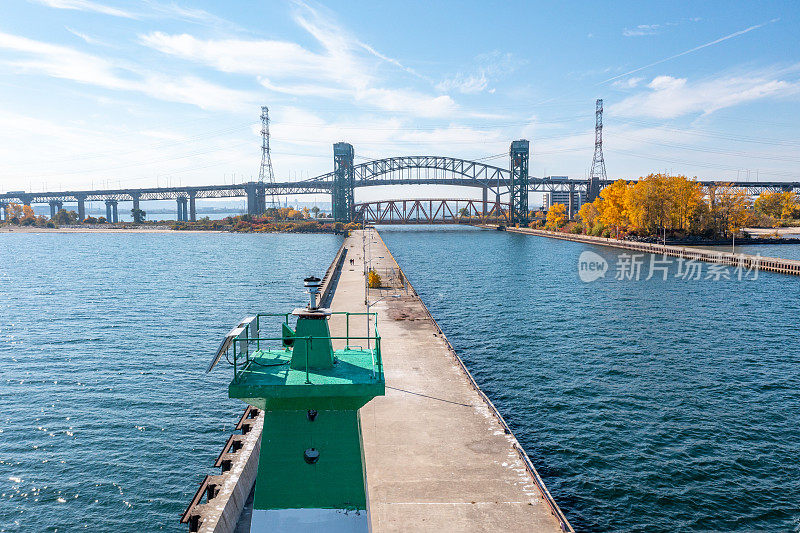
591,266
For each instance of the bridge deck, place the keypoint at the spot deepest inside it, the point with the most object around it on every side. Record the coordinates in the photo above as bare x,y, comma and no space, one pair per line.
436,457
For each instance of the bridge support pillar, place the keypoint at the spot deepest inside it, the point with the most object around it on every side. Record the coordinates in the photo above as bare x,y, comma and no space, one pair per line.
3,214
193,206
135,210
182,209
342,194
55,207
81,208
518,202
261,198
252,197
111,211
485,199
571,206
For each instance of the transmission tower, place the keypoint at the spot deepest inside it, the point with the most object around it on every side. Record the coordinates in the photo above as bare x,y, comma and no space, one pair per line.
265,173
598,163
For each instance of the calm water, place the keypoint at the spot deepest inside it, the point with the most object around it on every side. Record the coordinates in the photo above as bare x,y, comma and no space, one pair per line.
646,406
107,419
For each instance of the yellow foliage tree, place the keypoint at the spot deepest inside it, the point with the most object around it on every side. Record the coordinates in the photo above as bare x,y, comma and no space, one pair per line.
556,216
373,279
589,214
27,213
612,209
13,211
729,208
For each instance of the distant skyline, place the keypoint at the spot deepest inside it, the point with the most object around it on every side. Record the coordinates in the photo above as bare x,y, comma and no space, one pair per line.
98,93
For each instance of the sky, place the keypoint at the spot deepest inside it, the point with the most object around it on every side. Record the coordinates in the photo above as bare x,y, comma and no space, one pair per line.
139,93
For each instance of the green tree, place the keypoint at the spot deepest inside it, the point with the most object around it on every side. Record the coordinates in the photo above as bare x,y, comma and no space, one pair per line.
64,217
138,216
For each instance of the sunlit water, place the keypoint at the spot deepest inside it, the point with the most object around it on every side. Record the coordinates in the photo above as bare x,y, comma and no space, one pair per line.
646,405
107,419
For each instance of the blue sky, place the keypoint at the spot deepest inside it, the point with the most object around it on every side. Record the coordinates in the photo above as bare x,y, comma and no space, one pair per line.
145,92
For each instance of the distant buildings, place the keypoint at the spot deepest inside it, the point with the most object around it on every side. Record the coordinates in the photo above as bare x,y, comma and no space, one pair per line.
562,197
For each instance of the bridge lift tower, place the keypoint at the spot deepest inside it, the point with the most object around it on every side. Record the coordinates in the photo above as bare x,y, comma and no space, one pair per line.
518,203
342,194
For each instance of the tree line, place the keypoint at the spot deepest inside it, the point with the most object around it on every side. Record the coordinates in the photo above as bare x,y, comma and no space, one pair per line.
658,204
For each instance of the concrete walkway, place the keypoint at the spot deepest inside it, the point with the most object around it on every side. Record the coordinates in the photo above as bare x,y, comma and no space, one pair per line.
437,459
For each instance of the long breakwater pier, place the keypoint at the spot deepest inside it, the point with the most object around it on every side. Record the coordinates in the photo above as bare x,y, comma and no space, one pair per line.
437,454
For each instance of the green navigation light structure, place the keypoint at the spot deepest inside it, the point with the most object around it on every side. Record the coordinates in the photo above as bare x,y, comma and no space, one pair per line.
310,473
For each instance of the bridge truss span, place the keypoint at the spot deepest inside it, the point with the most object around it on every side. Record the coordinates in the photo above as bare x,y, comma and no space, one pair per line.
432,211
426,169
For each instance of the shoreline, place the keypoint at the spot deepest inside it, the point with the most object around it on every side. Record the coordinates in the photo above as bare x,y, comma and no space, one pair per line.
156,229
769,264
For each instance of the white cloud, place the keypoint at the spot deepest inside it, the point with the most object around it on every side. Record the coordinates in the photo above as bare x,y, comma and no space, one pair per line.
345,68
670,97
490,68
66,63
86,38
629,83
642,29
86,5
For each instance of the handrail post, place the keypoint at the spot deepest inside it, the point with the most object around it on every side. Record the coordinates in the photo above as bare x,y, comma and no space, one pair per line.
347,314
308,347
234,359
380,359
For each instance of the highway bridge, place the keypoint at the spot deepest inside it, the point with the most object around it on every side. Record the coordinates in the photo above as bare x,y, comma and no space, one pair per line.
512,183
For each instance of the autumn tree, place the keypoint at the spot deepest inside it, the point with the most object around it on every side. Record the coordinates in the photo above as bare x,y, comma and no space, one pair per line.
612,209
589,214
27,213
730,209
778,205
13,211
556,216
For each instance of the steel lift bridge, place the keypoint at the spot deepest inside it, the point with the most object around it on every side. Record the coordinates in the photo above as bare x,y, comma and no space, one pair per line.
504,195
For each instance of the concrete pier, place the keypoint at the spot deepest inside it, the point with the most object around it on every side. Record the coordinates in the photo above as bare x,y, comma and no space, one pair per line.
438,456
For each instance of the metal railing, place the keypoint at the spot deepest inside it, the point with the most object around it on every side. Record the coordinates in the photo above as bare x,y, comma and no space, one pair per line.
249,342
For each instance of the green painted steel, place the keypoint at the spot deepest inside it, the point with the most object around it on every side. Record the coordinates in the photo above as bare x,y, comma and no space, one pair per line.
317,351
311,406
335,481
519,153
342,195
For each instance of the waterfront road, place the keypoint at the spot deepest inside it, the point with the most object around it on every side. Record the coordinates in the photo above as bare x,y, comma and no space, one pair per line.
436,456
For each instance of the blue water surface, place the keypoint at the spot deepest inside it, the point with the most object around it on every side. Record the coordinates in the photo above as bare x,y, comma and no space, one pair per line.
646,405
107,419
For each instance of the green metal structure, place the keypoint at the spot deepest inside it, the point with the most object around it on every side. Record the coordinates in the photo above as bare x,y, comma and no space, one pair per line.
518,203
311,461
343,196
